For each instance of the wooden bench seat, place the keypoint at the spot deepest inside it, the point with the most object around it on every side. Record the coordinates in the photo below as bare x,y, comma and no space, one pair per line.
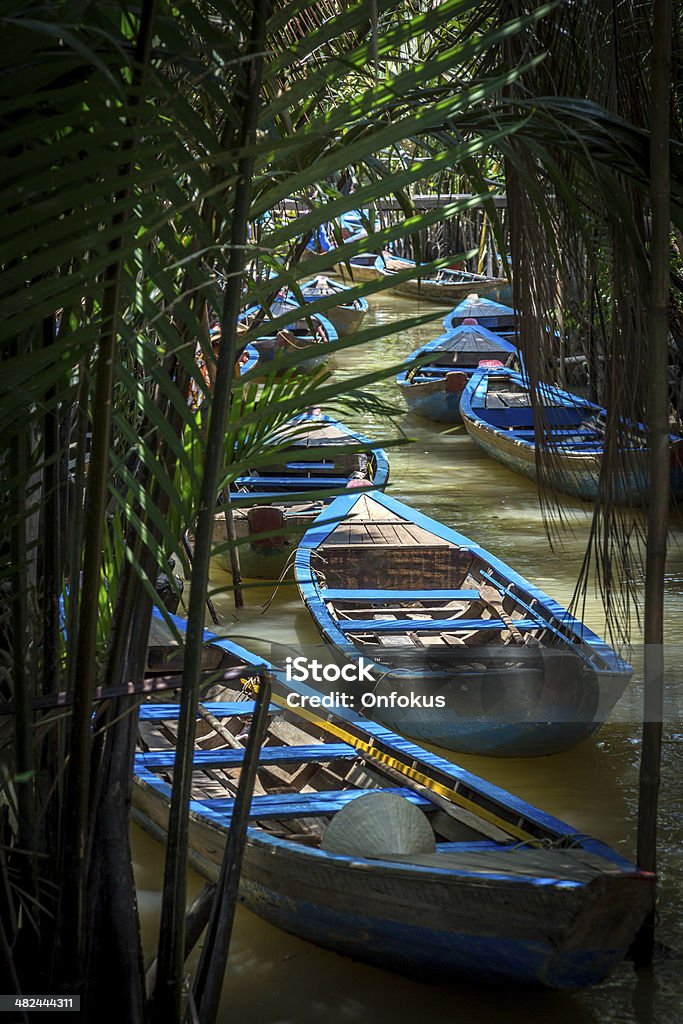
229,758
291,481
430,625
400,596
307,805
219,709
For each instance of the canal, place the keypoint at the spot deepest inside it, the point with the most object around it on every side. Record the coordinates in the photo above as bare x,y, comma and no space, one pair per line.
273,977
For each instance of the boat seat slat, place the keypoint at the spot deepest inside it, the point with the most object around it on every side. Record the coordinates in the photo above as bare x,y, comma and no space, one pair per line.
290,481
300,805
432,625
400,595
229,758
219,709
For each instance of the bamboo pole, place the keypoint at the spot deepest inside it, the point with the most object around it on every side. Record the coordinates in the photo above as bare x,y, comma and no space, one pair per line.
71,945
168,989
211,970
235,567
658,436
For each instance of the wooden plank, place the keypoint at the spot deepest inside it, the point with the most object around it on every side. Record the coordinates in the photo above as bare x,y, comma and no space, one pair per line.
308,754
301,805
431,625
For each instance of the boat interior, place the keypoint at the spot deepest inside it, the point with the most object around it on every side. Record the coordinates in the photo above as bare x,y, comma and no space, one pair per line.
308,775
292,472
390,583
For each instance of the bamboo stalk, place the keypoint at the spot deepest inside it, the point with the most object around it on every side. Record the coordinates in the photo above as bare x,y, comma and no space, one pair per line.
168,989
208,981
70,954
235,567
658,438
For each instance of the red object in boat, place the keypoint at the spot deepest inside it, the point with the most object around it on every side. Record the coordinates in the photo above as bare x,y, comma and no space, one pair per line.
456,381
265,519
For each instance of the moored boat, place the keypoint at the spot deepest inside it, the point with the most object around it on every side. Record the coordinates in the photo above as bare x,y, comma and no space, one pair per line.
348,315
433,388
441,618
486,311
365,844
305,332
273,505
449,286
497,411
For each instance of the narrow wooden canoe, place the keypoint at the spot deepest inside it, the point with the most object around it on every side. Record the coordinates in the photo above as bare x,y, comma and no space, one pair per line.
500,667
370,266
490,314
496,892
450,286
273,505
305,331
497,412
348,315
433,389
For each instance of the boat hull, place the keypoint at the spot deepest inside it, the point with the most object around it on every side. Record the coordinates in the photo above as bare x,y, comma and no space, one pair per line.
571,473
261,560
448,294
434,400
346,319
436,926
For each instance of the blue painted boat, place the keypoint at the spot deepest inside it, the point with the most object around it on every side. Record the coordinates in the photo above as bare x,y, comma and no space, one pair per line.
433,388
486,311
248,360
443,619
274,504
348,315
495,892
305,331
497,411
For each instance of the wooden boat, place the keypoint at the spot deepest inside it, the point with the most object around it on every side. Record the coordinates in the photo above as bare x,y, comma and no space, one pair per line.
433,389
370,266
449,286
304,332
273,505
248,360
440,617
348,315
367,845
487,312
497,412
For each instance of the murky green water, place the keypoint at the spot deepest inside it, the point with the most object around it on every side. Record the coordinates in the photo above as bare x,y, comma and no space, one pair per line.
274,977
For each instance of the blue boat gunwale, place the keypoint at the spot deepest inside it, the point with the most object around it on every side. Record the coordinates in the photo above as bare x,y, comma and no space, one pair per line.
374,737
333,514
